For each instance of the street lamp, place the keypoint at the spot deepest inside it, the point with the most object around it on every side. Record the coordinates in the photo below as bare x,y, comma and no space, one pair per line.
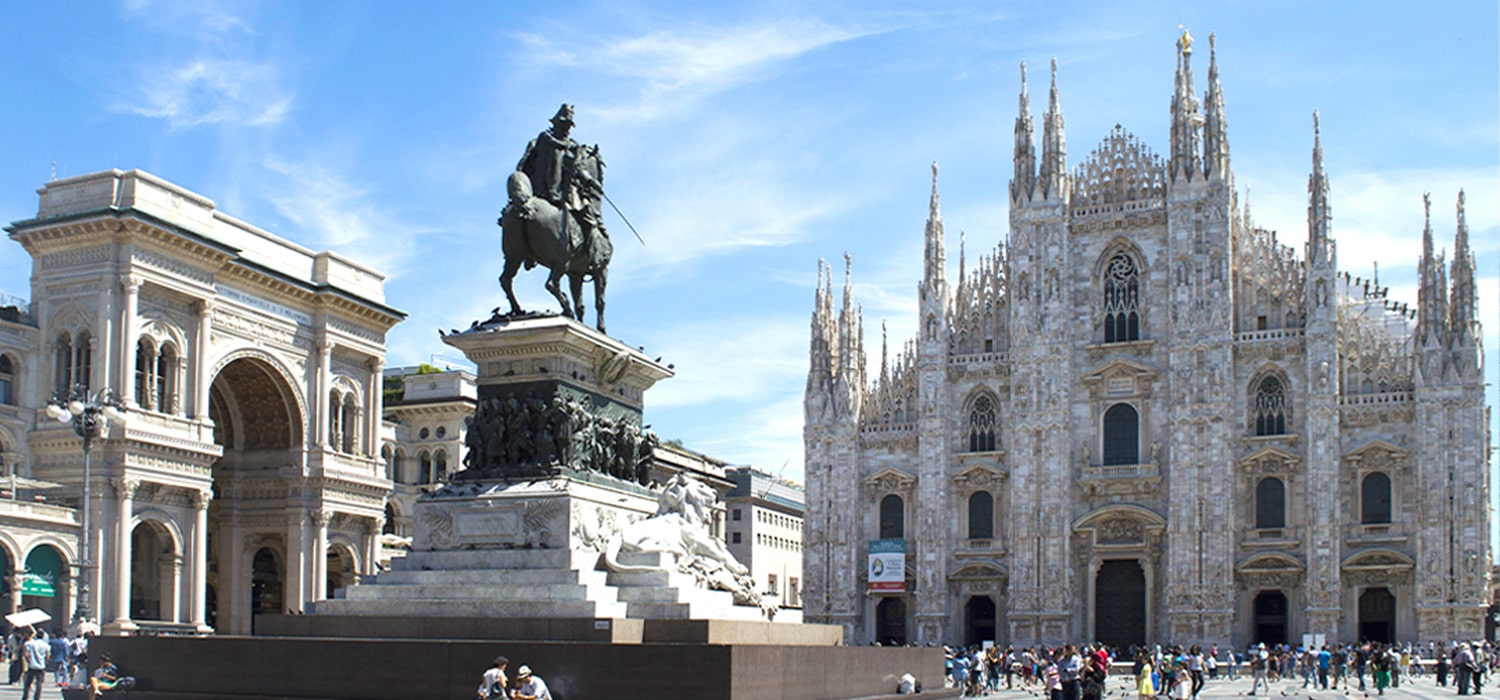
90,416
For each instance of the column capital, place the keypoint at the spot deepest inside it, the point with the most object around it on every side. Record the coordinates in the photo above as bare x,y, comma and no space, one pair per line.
297,519
125,488
131,284
205,307
322,517
199,498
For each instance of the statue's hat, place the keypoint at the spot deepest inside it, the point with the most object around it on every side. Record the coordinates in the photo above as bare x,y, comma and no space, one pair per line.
564,115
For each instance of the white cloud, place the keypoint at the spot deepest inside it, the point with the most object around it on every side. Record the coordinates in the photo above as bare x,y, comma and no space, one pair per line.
703,350
675,68
334,213
211,91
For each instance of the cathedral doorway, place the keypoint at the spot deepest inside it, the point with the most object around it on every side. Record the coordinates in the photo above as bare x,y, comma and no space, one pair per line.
979,620
1377,615
265,585
1270,617
890,622
1120,603
153,571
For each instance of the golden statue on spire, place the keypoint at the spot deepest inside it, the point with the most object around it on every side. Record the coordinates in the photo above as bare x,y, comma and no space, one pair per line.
1185,42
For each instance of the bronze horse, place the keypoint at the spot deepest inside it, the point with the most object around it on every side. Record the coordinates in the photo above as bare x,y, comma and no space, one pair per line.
537,232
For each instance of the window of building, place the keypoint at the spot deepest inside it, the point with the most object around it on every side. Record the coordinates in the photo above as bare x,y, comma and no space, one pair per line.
735,514
424,467
982,425
771,584
166,379
1270,407
1270,503
892,518
734,538
440,466
1122,315
7,380
422,434
335,419
73,359
981,515
794,591
1122,438
441,431
1375,499
350,417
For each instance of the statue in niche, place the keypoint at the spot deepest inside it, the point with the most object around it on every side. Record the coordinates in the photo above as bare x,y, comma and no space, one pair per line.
552,219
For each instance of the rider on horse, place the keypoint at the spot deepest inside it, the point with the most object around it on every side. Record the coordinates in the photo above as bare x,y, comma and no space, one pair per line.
552,163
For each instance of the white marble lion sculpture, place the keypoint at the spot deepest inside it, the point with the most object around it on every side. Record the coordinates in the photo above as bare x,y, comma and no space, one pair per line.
680,528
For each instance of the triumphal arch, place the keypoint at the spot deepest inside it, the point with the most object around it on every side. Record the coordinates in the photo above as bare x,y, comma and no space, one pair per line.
245,478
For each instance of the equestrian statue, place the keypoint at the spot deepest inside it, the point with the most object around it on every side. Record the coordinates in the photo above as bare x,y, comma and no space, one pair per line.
553,218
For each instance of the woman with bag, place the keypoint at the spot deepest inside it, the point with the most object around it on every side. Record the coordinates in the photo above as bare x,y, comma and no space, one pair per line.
494,682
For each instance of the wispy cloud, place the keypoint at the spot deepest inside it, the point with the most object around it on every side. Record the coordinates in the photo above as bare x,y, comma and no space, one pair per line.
211,73
332,212
211,91
673,68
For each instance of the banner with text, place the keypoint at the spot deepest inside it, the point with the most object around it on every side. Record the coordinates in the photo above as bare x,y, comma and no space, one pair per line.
887,566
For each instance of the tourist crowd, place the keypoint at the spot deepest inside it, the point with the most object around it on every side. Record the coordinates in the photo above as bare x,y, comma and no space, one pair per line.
1177,673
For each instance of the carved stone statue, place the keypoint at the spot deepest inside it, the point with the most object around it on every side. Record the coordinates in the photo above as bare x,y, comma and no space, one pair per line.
680,528
529,437
553,218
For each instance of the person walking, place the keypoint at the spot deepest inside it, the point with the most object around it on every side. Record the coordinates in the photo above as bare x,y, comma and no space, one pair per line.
1069,667
1259,659
34,655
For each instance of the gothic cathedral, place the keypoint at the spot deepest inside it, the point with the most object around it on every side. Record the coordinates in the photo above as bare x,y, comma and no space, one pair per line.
1144,419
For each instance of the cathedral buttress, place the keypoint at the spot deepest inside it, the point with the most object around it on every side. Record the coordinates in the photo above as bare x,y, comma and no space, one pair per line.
1199,344
933,507
1321,416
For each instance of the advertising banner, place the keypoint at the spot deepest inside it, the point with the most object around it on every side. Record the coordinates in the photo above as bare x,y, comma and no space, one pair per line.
887,568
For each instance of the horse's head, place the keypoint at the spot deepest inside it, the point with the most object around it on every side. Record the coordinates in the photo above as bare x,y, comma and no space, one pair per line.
519,187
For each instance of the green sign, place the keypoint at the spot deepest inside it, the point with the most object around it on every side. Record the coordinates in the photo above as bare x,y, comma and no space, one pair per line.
31,584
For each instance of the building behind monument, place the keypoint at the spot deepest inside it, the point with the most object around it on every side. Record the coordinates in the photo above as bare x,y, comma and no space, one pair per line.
1142,418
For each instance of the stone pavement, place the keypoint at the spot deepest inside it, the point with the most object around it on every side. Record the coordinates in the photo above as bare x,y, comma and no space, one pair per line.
1419,688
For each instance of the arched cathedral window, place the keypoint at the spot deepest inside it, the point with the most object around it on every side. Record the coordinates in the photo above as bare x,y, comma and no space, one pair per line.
1122,437
1375,499
892,518
7,380
1270,407
982,425
74,356
1270,503
1122,312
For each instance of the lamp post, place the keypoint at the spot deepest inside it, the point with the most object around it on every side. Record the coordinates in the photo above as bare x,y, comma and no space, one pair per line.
90,416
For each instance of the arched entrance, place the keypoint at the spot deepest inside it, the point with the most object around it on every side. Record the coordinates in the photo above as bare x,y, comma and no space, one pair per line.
44,582
1120,603
890,621
265,584
340,569
1270,617
979,620
154,569
258,423
1377,615
7,572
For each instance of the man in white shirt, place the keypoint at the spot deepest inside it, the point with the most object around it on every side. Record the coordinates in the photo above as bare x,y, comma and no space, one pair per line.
531,687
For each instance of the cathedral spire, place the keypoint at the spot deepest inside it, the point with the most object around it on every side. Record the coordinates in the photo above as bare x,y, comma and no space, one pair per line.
1023,183
1185,159
1461,302
1054,170
935,256
1319,213
1432,293
1215,133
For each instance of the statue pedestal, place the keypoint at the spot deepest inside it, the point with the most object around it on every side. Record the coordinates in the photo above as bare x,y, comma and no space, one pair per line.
550,355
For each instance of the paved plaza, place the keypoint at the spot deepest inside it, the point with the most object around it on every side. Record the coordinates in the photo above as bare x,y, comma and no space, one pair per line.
1121,687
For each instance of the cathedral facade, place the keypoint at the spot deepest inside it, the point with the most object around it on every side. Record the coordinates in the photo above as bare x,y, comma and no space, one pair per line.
1143,419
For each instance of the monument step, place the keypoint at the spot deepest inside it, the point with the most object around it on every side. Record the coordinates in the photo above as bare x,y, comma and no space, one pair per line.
472,608
497,559
491,591
671,578
481,576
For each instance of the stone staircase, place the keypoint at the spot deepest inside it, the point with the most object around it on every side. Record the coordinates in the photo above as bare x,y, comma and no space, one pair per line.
534,583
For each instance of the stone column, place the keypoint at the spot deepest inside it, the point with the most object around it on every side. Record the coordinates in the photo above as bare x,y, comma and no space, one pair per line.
373,403
198,567
171,571
296,560
325,379
372,547
124,510
203,361
131,285
320,555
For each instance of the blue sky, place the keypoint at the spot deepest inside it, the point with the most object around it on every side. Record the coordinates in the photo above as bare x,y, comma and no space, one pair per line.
744,141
